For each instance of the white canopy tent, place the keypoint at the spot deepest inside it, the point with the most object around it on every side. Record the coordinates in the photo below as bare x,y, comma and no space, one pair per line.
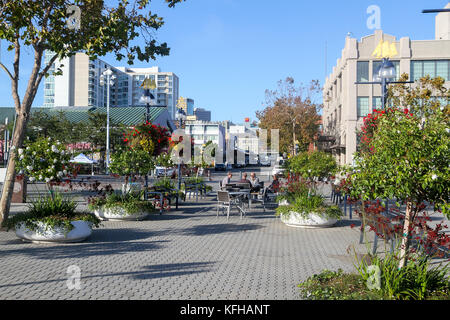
82,159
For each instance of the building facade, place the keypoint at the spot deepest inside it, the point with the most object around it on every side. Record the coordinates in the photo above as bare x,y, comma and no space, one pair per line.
202,114
347,103
79,85
203,131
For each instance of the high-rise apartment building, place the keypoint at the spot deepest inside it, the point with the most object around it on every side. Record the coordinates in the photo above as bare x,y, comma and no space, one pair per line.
347,103
79,85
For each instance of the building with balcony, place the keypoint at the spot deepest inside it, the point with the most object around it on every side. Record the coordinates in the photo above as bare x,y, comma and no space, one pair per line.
79,85
347,103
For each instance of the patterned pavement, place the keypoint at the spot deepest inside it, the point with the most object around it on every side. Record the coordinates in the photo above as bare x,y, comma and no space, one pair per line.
187,254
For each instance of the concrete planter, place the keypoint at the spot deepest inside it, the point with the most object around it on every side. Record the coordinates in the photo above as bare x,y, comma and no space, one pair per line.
119,214
81,231
312,220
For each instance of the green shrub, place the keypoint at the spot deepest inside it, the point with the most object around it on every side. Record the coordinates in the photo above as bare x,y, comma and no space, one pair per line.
331,285
115,201
54,211
166,183
305,204
312,164
417,280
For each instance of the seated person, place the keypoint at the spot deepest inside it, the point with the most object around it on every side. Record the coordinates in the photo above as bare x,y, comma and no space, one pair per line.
244,179
275,185
254,182
226,180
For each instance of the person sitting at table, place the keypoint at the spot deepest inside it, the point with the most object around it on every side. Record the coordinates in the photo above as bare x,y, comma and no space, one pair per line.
226,180
275,185
244,179
254,182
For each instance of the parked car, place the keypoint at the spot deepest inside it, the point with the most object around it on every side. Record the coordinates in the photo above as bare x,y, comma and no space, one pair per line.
228,166
164,172
220,167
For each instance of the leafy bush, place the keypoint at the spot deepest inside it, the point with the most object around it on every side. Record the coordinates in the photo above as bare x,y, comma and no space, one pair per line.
313,164
43,160
166,183
332,285
55,211
415,281
303,200
115,201
305,204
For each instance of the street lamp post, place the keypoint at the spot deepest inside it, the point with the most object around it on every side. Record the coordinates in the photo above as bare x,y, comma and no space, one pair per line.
383,75
180,116
147,98
110,77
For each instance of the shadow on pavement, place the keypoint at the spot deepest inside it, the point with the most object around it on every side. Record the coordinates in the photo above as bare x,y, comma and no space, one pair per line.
148,272
202,230
101,243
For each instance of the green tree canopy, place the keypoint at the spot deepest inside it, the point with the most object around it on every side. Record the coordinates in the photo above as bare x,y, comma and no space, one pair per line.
44,25
291,107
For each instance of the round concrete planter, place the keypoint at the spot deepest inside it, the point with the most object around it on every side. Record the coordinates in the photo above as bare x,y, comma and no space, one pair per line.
119,214
81,231
312,220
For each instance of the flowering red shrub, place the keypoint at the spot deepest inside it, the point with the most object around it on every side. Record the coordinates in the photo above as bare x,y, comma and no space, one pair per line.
150,137
432,241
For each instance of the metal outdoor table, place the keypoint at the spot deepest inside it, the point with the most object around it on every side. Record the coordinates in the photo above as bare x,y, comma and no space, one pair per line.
239,195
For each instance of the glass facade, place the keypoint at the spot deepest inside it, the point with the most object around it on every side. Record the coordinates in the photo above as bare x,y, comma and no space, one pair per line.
433,68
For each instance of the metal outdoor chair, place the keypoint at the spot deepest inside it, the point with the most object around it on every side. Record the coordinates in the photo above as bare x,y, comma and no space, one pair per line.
225,201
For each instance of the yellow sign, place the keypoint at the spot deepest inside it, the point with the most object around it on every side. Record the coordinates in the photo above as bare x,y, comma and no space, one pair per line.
148,84
385,49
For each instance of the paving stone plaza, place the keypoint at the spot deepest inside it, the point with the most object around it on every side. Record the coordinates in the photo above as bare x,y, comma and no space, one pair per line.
182,254
188,253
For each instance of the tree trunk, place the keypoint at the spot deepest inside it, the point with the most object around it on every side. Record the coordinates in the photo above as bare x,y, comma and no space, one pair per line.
8,187
405,236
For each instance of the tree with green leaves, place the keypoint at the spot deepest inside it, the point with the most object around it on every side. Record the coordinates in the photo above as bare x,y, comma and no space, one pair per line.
294,111
407,153
45,25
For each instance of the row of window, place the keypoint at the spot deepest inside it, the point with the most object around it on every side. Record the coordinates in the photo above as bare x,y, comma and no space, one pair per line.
419,69
363,70
363,108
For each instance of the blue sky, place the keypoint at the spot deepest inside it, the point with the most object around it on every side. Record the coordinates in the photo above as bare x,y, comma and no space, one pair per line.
228,52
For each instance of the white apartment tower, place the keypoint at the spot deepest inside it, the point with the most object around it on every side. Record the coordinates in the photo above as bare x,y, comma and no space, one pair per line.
79,85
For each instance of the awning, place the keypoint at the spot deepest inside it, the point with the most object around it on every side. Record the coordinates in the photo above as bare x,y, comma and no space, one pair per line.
81,158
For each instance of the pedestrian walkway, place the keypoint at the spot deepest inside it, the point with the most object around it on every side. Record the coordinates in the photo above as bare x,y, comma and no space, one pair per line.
185,254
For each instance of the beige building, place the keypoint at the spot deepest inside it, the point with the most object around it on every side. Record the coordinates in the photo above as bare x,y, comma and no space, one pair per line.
346,103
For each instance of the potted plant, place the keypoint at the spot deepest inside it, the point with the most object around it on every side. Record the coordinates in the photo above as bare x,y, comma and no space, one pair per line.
50,218
119,206
53,219
300,203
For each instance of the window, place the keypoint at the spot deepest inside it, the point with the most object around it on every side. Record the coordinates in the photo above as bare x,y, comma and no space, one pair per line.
376,103
396,64
363,106
363,71
433,68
